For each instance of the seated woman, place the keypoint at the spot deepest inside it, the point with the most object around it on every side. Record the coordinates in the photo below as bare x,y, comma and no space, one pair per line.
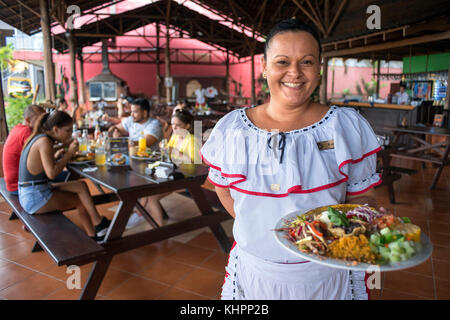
38,166
182,150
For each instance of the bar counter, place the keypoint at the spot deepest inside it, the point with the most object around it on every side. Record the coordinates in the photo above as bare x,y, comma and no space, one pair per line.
373,105
381,115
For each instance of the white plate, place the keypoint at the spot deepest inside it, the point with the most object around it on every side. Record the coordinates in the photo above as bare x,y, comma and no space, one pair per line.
415,260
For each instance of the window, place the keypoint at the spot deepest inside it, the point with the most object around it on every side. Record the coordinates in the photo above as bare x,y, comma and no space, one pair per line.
103,90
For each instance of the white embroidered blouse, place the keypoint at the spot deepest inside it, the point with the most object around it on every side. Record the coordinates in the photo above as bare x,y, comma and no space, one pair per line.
271,174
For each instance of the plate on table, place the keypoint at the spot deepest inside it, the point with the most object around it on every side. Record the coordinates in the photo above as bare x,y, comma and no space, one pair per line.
284,231
82,159
148,155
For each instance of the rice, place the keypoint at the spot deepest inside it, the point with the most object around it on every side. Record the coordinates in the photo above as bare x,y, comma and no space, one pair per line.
353,248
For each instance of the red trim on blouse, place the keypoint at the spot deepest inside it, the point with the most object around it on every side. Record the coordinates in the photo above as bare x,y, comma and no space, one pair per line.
294,189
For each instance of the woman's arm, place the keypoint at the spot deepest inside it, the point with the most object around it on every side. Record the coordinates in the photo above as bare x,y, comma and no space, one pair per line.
226,200
368,197
47,154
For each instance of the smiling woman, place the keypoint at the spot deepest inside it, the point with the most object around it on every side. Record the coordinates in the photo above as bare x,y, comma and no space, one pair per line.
288,155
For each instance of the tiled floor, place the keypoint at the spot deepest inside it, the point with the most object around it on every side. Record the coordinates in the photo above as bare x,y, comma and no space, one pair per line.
192,266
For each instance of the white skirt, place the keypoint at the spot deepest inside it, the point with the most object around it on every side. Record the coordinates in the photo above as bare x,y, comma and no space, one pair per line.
250,278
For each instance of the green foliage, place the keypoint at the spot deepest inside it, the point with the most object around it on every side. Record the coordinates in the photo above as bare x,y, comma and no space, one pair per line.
14,109
369,87
345,92
6,56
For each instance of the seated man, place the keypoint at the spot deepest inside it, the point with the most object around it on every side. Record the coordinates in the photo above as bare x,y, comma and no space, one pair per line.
139,121
14,145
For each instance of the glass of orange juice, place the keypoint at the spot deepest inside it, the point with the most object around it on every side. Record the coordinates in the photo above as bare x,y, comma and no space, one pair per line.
100,156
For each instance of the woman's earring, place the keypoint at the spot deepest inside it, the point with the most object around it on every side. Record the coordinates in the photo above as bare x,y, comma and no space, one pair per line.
264,75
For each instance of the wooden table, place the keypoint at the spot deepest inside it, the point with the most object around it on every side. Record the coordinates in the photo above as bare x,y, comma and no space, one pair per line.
423,151
129,184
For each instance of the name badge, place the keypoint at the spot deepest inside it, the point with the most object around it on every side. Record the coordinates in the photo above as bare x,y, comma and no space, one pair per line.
325,145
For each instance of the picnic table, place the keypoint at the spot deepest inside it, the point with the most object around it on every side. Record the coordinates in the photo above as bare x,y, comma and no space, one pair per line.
129,183
422,150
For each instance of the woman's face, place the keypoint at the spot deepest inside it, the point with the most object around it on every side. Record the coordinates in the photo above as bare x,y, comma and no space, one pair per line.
292,67
63,134
178,125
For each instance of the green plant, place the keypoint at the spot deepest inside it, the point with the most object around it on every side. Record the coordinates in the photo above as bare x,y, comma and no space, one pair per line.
14,109
369,87
345,92
6,56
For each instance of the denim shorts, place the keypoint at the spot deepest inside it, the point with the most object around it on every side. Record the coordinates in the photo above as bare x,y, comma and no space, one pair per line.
32,198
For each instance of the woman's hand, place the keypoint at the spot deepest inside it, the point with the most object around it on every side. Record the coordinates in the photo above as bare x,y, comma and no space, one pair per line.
166,128
73,148
59,153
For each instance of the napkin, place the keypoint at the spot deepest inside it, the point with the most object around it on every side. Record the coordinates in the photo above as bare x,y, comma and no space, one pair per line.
90,169
162,172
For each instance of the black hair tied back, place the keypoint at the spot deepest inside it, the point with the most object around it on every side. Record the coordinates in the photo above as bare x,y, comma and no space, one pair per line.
290,25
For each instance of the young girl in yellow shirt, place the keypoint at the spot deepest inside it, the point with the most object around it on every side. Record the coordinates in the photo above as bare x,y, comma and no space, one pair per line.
182,150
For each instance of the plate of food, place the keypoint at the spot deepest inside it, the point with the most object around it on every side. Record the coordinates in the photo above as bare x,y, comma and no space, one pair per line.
146,155
353,236
83,158
118,159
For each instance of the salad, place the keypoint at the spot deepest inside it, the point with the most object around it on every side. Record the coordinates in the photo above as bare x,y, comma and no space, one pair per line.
354,233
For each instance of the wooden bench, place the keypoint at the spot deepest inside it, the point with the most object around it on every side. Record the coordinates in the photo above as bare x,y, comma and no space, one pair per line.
65,242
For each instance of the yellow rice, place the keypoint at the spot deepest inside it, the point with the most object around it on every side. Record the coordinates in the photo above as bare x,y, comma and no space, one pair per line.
352,248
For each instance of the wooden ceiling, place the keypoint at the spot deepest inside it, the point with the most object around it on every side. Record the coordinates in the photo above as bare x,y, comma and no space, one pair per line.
407,28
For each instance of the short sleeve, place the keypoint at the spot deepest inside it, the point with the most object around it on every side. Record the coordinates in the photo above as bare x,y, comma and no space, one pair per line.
214,152
154,128
356,147
215,177
126,123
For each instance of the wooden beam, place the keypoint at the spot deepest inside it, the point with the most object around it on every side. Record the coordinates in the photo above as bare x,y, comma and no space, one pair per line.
389,45
310,17
447,97
316,14
73,72
83,97
336,16
3,123
48,58
158,70
324,81
167,53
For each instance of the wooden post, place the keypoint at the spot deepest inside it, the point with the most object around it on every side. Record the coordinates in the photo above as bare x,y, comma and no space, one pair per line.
48,59
3,123
378,77
167,54
158,71
253,80
323,84
83,96
227,77
73,72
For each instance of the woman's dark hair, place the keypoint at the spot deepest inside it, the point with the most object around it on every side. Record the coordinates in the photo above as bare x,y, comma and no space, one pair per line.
47,121
184,116
143,103
290,25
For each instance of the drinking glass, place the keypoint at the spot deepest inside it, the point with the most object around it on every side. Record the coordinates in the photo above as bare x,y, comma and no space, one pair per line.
100,156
